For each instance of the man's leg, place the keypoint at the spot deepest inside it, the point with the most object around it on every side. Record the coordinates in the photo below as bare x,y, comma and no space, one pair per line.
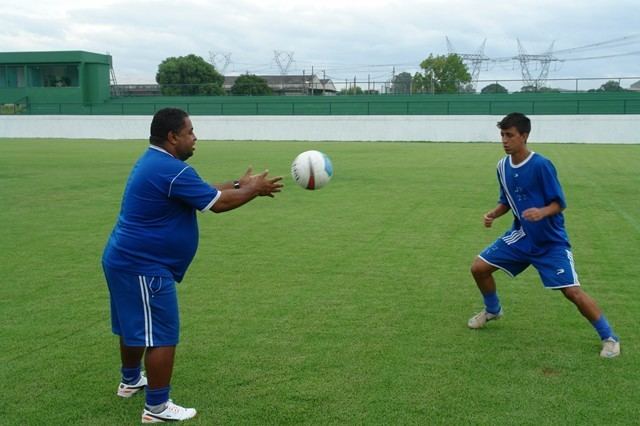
132,378
159,365
131,356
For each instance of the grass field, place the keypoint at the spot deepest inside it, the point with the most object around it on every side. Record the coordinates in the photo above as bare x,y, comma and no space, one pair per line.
342,306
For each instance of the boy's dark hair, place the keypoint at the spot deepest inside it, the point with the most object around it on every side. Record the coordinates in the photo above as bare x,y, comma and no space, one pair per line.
517,120
164,121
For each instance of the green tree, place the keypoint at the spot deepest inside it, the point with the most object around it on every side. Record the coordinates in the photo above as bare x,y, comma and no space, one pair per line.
609,86
401,84
494,88
188,75
418,83
353,90
539,89
442,74
250,84
529,89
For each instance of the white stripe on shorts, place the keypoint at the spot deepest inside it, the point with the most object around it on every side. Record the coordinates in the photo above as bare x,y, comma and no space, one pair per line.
573,267
148,324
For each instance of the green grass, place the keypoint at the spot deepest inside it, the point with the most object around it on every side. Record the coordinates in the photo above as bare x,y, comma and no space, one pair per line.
346,305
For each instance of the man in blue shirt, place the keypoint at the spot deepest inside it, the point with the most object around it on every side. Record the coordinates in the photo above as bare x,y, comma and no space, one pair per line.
529,187
149,250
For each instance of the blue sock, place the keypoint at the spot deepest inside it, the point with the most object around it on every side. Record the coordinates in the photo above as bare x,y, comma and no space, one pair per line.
130,375
491,302
603,328
156,398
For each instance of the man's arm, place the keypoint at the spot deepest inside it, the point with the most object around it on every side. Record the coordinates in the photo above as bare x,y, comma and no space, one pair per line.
243,181
251,186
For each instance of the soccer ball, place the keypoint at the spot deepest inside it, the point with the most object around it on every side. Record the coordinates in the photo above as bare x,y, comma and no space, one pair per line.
312,169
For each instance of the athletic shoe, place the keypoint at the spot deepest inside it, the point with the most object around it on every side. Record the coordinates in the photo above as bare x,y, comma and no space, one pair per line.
172,413
480,319
610,348
127,391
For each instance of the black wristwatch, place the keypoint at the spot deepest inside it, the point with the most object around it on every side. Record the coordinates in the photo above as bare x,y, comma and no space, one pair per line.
236,184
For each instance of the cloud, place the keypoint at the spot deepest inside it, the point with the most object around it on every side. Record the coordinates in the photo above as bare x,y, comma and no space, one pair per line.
343,38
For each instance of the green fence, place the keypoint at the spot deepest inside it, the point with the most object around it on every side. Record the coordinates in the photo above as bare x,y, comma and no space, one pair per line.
470,104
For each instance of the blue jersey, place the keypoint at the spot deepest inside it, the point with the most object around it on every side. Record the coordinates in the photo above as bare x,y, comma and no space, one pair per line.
532,183
157,231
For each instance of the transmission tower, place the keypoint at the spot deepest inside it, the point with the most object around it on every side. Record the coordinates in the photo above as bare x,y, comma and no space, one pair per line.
220,61
472,60
283,60
544,61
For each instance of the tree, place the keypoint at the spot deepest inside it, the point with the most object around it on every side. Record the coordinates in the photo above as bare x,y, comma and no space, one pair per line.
442,74
250,84
353,90
401,84
188,75
528,89
494,88
418,83
467,88
609,86
539,89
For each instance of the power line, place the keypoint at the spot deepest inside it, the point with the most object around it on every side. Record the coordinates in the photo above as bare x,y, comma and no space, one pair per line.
616,42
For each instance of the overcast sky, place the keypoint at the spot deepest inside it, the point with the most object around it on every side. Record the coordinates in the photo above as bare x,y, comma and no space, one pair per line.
342,38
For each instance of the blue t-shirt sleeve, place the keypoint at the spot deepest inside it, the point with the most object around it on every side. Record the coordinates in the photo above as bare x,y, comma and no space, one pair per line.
189,187
551,185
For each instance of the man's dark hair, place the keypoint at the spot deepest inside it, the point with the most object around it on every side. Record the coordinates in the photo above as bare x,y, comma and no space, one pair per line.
517,120
164,121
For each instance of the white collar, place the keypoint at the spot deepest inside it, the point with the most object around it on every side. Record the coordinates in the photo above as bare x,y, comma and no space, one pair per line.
523,162
157,148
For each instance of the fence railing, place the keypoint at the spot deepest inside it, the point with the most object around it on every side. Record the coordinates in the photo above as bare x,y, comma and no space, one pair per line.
390,87
470,104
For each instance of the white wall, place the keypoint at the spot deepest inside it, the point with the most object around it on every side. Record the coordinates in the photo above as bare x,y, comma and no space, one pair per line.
462,128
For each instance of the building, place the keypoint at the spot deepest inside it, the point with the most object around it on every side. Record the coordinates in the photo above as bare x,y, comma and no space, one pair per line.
280,85
291,84
635,86
63,76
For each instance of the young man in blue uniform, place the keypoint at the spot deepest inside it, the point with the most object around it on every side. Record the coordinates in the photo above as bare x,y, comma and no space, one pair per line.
152,244
529,187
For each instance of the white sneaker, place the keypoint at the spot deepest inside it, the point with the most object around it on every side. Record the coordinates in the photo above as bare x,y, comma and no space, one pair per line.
127,391
610,348
172,413
480,319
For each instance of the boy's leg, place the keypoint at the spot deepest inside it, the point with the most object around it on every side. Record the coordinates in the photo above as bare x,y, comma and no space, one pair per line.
483,275
557,271
588,308
498,255
585,304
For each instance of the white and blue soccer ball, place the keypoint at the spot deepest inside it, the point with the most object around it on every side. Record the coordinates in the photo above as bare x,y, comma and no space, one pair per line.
312,169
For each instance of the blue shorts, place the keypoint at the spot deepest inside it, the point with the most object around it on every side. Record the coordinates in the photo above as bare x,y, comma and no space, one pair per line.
555,267
144,309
